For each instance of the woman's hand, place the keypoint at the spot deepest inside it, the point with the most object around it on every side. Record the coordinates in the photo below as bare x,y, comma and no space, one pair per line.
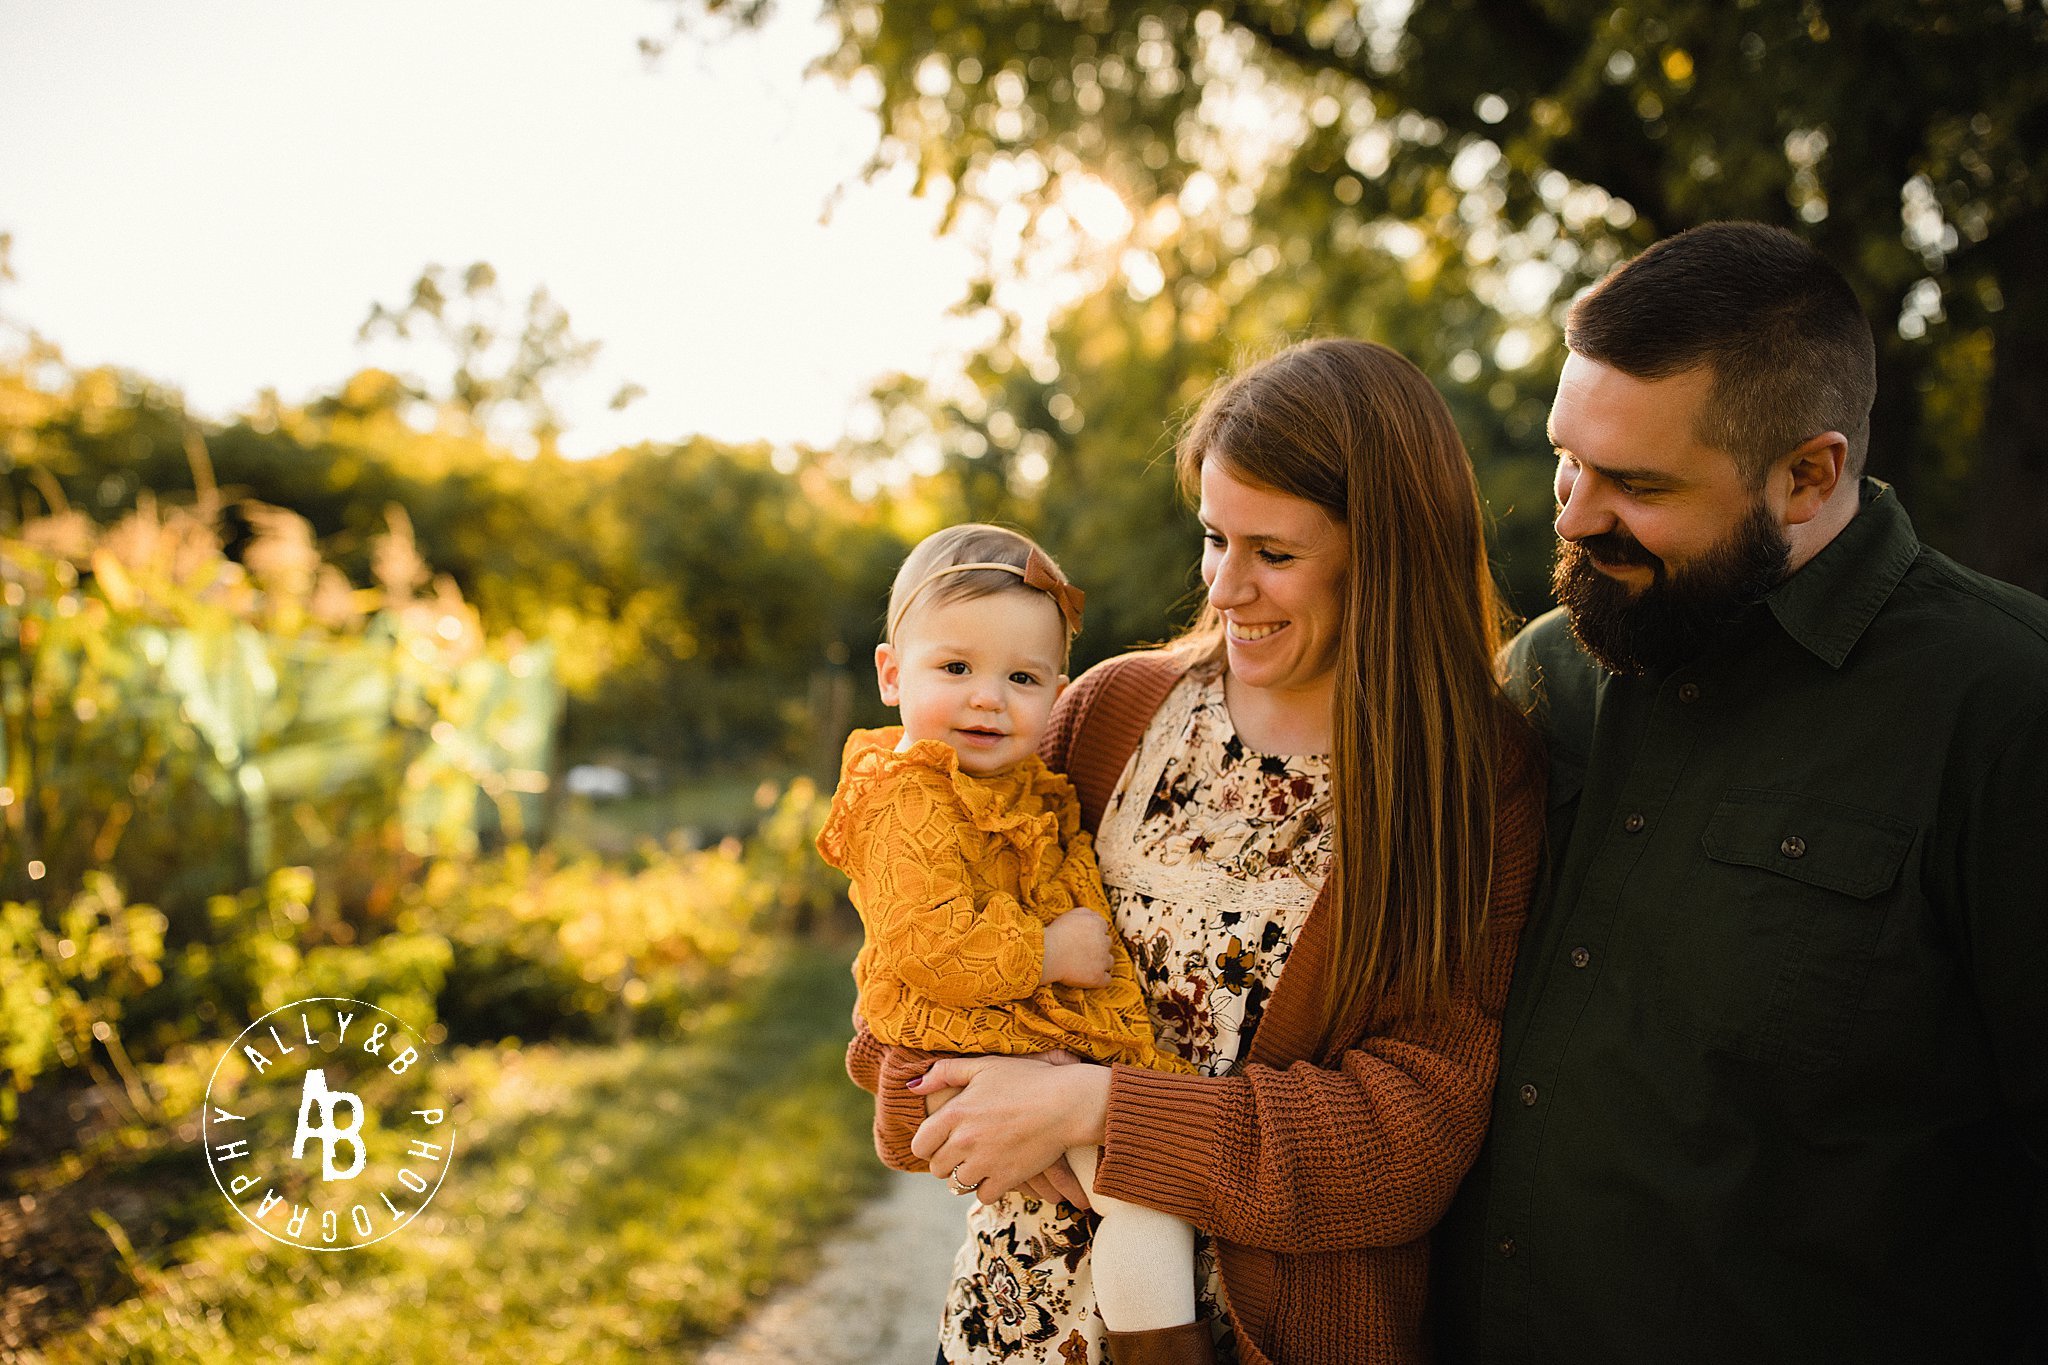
1063,1178
1057,1182
1012,1120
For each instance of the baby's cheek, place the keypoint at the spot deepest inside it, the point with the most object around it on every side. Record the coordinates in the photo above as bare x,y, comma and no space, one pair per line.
1031,722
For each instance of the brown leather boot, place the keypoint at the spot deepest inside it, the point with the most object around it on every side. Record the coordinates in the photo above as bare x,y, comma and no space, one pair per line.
1188,1344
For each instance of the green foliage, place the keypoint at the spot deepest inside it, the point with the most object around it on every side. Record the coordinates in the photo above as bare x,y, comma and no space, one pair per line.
1444,176
605,1204
493,367
202,707
65,984
579,948
702,945
783,857
192,723
541,946
700,599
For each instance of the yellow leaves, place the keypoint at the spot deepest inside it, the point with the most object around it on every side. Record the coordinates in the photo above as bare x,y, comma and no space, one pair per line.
113,580
689,912
1678,66
23,404
370,391
96,395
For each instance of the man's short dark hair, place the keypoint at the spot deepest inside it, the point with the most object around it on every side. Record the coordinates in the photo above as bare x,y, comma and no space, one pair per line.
1782,332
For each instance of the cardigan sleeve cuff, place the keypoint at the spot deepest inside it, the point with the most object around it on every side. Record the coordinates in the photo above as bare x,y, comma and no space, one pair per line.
898,1111
1162,1139
883,1071
864,1060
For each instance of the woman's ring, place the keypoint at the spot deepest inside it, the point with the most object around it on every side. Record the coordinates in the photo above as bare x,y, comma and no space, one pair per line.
953,1181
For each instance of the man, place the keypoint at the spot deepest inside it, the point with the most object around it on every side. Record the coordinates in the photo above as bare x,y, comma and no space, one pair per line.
1774,1070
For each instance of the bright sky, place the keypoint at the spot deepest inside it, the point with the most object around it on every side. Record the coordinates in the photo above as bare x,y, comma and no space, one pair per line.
213,192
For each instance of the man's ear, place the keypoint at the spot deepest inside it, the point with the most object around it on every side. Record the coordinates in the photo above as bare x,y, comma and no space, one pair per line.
1811,473
887,675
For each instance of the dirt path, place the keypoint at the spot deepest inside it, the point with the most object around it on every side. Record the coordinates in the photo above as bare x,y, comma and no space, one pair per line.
877,1294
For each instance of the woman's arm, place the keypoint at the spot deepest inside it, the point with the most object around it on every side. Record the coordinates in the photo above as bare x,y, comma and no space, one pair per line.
888,1073
1366,1152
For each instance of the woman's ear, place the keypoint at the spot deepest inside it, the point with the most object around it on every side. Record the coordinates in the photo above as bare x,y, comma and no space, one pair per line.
888,675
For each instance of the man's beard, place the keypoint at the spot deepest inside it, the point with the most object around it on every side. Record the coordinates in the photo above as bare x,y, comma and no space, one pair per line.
1679,615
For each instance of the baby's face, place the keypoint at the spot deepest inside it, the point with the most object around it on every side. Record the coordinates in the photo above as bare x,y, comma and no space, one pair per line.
980,675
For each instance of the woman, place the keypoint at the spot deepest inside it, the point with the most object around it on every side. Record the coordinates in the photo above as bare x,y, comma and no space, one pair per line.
1317,816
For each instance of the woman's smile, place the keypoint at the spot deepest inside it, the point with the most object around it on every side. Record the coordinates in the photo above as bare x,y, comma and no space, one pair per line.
1267,552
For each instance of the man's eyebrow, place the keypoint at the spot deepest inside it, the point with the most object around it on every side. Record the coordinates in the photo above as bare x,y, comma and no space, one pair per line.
1624,473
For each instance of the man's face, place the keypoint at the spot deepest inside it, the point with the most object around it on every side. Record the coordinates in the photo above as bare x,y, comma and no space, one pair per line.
1661,540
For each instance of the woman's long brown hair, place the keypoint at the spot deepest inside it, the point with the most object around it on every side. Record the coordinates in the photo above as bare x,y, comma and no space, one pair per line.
1421,722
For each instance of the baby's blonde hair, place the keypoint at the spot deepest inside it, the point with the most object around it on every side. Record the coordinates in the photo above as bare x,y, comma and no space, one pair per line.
970,542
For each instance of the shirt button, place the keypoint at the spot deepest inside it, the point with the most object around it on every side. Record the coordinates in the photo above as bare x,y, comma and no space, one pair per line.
1634,824
1507,1246
1580,957
1688,692
1794,847
1528,1095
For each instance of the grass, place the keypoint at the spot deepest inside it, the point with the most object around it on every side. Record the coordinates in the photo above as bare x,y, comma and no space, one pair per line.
605,1203
710,806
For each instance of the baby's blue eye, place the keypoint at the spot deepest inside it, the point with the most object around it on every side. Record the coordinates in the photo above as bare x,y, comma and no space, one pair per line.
956,668
1024,679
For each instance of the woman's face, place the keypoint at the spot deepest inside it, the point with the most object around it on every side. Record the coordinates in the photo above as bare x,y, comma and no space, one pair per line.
1275,565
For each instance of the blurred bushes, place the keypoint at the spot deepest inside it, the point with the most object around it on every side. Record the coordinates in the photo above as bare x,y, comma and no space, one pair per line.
285,772
517,945
585,949
191,723
64,985
697,595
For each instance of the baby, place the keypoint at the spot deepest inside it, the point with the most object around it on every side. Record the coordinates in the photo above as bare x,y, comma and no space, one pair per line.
987,924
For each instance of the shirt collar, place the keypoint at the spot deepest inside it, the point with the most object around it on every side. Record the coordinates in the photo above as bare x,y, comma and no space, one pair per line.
1832,599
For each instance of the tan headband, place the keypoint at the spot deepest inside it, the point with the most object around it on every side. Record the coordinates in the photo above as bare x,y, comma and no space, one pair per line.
1037,572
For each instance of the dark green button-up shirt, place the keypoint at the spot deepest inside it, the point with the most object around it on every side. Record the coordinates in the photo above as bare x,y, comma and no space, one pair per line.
1774,1070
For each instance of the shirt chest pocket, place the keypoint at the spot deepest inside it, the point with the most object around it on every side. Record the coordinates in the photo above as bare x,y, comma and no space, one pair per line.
1767,954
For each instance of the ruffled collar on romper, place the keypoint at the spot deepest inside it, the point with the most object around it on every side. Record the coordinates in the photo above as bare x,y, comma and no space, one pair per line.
1028,803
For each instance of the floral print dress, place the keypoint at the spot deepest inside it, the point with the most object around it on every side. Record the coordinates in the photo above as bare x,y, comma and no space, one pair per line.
1212,855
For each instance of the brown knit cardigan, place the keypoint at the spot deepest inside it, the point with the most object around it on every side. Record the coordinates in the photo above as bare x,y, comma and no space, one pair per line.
1320,1175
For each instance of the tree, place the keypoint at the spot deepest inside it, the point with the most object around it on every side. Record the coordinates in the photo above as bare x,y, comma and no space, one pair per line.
1505,152
495,367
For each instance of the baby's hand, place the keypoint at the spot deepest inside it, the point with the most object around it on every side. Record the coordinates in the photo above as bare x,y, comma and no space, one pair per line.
1077,950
